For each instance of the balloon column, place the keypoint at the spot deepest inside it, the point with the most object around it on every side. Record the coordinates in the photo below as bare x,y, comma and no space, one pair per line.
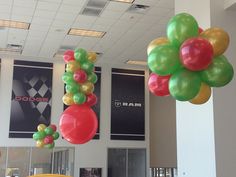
78,123
46,135
189,61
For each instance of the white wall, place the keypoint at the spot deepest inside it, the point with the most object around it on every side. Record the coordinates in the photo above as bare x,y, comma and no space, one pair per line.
92,154
163,151
224,98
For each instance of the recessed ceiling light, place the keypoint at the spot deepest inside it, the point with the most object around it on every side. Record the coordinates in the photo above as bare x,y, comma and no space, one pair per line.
14,24
137,62
125,1
88,33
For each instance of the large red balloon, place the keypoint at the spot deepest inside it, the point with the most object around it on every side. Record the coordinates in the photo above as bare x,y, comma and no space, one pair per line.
196,54
68,56
159,85
78,124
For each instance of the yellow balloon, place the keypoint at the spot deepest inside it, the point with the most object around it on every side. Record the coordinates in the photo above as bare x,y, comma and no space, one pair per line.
87,88
92,57
68,99
156,42
218,38
203,95
41,127
39,143
72,66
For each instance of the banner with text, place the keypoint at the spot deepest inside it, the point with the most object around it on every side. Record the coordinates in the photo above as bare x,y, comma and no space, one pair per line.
127,105
31,97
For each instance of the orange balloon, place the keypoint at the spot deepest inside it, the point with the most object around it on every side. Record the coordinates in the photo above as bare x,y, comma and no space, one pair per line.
218,38
68,99
72,66
41,127
156,42
87,88
92,57
203,95
39,143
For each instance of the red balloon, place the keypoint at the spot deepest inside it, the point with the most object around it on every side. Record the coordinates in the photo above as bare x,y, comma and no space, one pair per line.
54,127
68,56
200,30
80,76
196,54
48,139
78,124
159,85
91,100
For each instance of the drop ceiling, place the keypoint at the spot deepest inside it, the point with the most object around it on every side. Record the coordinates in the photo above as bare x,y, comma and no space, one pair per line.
128,32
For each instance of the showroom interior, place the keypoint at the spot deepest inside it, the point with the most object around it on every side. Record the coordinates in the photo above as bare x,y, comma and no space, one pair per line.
138,134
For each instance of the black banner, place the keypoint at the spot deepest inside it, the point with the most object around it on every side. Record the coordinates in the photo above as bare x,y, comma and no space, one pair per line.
97,92
127,105
31,97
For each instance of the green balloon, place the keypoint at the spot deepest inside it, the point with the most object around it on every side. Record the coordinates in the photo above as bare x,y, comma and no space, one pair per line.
219,73
72,87
80,55
88,67
49,146
48,131
92,77
55,135
184,85
67,77
164,60
79,98
39,135
181,27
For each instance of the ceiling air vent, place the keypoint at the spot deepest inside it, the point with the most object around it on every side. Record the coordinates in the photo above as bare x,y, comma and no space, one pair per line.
94,7
138,8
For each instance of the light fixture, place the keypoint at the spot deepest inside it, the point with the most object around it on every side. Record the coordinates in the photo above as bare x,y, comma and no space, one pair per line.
14,24
136,62
88,33
6,50
125,1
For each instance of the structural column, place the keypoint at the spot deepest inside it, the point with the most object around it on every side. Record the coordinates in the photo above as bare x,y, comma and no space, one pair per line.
195,124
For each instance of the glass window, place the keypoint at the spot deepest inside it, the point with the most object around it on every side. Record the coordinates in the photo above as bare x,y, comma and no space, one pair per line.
116,162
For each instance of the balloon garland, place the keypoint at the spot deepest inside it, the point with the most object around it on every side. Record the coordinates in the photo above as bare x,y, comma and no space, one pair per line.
78,123
189,61
45,136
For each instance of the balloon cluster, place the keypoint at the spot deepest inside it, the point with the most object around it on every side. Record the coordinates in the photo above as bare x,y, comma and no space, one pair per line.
46,135
78,123
79,77
189,61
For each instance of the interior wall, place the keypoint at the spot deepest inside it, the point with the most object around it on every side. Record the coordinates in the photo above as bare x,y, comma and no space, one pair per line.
224,98
163,151
91,154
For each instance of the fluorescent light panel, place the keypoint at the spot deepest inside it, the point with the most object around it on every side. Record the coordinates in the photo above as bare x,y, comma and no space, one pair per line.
14,24
136,62
125,1
88,33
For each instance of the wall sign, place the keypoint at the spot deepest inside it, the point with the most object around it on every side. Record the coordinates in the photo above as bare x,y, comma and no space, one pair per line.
31,97
127,105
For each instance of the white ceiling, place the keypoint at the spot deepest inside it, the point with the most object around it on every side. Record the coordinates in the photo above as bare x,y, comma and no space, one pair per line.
127,34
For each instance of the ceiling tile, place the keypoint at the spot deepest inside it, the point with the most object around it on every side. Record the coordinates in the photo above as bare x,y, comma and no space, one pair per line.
17,36
167,4
131,17
70,8
5,16
88,43
70,17
37,33
105,22
5,9
17,10
44,14
36,26
74,2
4,2
61,24
3,37
147,2
71,40
41,21
25,3
47,6
111,14
21,18
117,6
100,28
